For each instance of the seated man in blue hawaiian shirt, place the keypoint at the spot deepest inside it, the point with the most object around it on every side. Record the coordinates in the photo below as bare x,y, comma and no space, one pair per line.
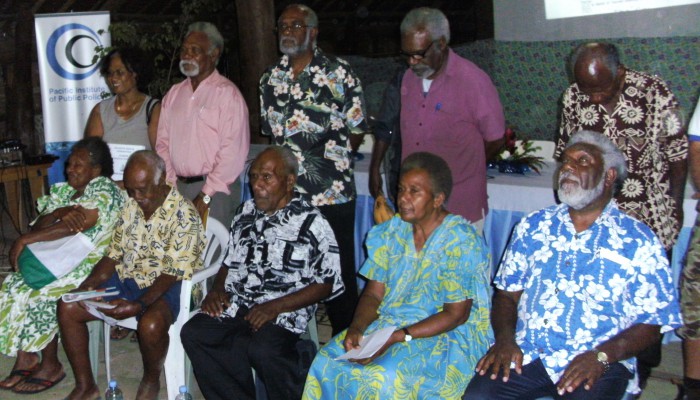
582,288
282,259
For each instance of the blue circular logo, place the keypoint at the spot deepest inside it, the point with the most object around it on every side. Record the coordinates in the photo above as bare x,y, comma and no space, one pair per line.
63,60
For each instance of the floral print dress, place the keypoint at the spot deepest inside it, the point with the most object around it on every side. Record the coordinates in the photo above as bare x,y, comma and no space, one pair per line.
27,316
452,267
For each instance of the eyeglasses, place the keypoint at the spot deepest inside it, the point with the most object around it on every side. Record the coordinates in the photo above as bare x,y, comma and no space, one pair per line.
419,55
294,27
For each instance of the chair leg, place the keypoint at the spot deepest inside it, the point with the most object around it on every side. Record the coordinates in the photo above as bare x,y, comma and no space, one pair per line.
106,328
94,334
174,367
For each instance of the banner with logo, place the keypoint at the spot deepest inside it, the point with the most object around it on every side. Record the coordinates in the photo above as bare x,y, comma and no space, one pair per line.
71,84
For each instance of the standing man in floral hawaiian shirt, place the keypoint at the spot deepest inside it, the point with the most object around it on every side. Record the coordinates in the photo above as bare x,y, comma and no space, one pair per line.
642,117
313,103
582,288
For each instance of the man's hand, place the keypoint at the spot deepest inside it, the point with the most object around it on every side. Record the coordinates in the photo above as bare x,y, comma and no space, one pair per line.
124,309
201,206
583,369
261,314
375,182
216,303
499,357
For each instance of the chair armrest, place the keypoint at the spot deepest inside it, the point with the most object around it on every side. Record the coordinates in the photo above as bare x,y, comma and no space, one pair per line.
204,274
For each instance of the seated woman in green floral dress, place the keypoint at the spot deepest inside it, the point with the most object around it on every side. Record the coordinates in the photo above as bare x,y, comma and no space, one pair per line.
428,273
89,203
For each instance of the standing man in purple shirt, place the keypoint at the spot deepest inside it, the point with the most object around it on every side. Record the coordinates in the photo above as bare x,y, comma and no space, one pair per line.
449,107
203,132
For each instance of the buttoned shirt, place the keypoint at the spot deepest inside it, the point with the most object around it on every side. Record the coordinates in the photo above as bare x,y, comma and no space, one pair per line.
581,289
314,115
646,125
270,256
170,242
204,132
460,112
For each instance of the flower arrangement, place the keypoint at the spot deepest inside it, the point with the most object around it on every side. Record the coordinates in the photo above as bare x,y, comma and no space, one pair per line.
517,156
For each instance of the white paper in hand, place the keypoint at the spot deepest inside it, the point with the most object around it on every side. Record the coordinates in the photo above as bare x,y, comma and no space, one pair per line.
369,344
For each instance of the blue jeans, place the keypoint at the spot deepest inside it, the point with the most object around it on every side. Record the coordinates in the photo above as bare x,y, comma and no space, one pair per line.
534,383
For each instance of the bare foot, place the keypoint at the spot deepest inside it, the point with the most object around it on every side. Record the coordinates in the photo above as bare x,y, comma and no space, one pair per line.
148,390
83,394
45,377
23,368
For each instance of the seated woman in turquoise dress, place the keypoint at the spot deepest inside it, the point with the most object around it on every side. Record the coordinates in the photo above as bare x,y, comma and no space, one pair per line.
428,277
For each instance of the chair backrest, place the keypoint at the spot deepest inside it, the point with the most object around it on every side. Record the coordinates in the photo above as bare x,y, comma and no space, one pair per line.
213,256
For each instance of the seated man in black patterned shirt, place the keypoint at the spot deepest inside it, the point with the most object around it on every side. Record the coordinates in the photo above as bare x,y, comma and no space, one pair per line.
282,259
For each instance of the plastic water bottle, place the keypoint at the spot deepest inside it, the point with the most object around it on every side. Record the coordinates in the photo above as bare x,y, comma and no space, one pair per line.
184,394
113,392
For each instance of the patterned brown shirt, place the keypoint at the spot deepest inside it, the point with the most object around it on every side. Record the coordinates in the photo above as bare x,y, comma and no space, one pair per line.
647,126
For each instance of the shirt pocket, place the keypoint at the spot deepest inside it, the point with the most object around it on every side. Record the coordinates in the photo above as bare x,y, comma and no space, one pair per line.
210,118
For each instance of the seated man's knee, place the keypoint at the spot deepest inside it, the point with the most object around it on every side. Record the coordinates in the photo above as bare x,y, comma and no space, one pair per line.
67,311
481,387
153,327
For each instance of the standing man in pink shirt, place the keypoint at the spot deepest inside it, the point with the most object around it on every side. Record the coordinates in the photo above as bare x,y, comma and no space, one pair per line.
449,107
203,132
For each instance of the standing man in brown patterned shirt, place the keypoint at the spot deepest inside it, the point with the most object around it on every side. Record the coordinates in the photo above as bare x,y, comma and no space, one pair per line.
642,117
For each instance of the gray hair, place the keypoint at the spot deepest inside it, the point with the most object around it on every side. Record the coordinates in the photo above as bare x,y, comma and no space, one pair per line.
611,154
149,158
429,19
291,164
216,41
310,19
605,52
437,169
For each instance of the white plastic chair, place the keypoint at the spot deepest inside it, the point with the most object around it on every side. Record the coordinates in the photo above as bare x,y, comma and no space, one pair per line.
175,370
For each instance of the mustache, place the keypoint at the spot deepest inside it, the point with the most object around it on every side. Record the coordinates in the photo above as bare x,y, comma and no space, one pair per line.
568,175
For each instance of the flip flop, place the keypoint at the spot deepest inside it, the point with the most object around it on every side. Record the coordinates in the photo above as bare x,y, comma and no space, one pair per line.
118,333
25,373
47,384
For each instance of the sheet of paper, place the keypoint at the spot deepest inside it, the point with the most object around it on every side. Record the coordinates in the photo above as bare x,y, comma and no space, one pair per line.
90,294
369,344
96,312
99,304
120,154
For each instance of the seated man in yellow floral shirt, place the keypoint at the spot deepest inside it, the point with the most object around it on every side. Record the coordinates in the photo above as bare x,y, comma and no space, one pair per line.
157,243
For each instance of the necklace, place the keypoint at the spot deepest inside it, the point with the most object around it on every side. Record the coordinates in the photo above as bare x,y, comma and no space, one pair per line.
128,109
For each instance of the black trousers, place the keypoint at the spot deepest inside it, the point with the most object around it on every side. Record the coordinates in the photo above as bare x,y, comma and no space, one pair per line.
223,350
341,218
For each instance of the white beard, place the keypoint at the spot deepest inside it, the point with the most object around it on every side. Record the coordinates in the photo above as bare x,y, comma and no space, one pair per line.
576,197
294,48
191,72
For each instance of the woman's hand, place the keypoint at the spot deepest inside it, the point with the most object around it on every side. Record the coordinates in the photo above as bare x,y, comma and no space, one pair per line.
15,251
352,338
395,337
75,218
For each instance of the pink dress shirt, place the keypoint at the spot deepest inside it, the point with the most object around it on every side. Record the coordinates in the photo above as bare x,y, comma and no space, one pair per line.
460,112
204,132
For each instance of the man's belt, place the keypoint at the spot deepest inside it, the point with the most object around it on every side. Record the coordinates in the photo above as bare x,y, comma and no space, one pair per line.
191,179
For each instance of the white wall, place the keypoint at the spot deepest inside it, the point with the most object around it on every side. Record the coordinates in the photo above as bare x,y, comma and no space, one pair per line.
524,20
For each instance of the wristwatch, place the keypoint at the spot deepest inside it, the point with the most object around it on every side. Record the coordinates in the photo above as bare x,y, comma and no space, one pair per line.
407,336
206,199
603,359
